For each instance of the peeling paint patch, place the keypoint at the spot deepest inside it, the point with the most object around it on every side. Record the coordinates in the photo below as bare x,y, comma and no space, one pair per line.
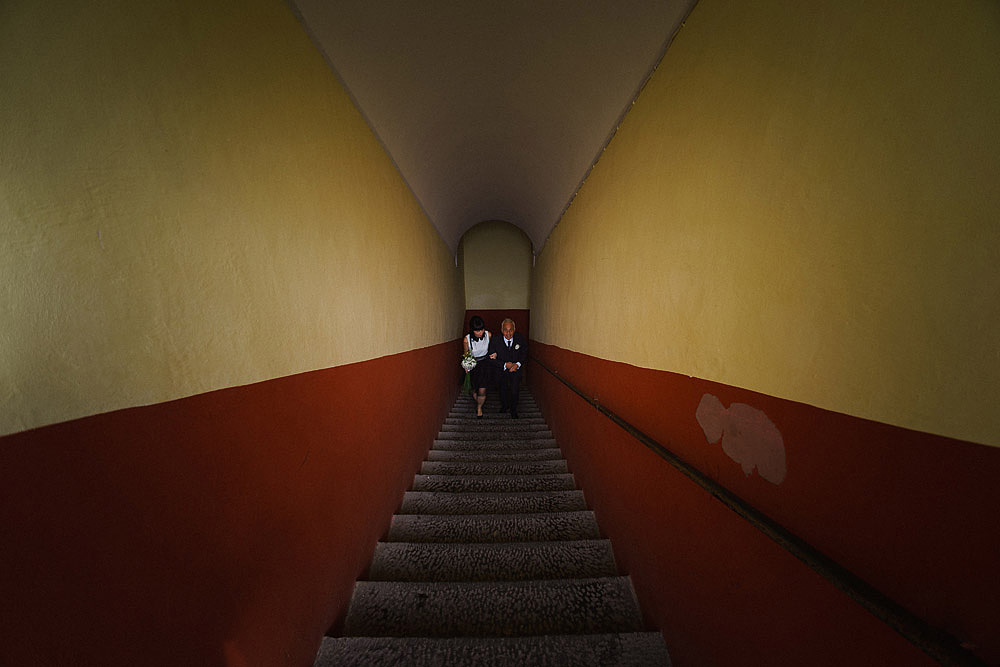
748,436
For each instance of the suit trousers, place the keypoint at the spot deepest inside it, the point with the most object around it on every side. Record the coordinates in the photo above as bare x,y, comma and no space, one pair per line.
509,388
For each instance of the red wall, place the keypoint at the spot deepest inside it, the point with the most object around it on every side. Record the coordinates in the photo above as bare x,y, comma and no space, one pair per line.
914,514
221,529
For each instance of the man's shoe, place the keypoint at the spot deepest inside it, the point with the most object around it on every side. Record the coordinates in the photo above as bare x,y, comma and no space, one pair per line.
513,414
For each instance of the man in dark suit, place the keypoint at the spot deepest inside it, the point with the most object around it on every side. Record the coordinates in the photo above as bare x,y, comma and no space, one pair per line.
509,352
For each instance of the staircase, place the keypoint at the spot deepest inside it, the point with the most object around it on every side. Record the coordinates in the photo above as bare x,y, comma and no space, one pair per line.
493,559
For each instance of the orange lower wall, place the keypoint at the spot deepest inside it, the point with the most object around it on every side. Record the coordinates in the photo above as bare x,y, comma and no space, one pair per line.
221,529
913,514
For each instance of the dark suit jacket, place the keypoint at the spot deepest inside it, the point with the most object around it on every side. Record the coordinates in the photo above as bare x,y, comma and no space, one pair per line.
518,351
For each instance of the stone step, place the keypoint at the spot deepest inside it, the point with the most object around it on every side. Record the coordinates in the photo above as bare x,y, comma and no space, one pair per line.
495,455
531,527
471,420
491,411
492,444
515,434
496,429
493,468
493,483
466,408
429,502
523,398
500,426
414,561
493,398
492,609
627,649
494,402
503,417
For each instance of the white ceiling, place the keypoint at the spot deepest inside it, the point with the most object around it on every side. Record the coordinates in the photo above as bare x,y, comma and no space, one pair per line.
493,110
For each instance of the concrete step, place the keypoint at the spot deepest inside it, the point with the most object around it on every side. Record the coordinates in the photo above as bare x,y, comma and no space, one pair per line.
632,649
523,398
498,426
493,467
493,400
494,415
470,420
552,454
515,434
415,561
529,527
493,483
493,444
490,406
428,502
492,609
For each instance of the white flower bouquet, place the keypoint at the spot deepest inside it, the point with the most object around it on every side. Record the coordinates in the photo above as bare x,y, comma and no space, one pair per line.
468,363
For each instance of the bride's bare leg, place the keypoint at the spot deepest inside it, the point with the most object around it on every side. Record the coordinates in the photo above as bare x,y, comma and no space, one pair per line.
480,399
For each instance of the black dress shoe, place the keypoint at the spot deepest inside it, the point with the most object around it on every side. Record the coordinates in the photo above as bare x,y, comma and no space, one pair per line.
513,414
503,408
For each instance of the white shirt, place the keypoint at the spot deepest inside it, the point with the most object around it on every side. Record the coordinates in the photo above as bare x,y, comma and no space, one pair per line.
479,348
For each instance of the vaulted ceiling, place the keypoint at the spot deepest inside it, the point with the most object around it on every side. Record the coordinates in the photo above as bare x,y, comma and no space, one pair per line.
493,110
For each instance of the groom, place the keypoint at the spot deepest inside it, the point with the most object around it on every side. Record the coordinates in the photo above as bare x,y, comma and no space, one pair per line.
509,352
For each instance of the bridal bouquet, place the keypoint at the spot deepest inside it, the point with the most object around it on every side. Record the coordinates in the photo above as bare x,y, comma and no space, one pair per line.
468,363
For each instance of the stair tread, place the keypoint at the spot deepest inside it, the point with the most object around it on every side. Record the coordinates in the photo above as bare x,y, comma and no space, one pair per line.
434,502
493,406
549,454
632,649
495,417
484,435
473,483
503,425
470,409
494,468
472,420
492,609
535,527
456,444
434,561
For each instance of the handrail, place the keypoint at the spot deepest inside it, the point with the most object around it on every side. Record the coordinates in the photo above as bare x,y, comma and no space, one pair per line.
933,641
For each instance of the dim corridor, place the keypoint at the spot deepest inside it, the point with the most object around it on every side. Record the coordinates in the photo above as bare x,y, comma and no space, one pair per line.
493,559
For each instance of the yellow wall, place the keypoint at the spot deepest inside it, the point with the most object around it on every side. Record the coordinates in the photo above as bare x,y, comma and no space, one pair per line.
803,201
189,201
496,257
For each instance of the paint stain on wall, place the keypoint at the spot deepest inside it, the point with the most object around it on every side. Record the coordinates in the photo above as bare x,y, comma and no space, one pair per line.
748,436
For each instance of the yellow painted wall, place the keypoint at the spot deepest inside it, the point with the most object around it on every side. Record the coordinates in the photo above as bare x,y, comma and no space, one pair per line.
496,257
190,201
803,201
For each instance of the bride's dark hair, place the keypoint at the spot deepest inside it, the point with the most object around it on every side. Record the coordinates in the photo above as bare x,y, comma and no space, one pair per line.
476,322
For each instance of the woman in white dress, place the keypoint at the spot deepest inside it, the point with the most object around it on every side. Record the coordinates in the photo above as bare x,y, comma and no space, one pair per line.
478,341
